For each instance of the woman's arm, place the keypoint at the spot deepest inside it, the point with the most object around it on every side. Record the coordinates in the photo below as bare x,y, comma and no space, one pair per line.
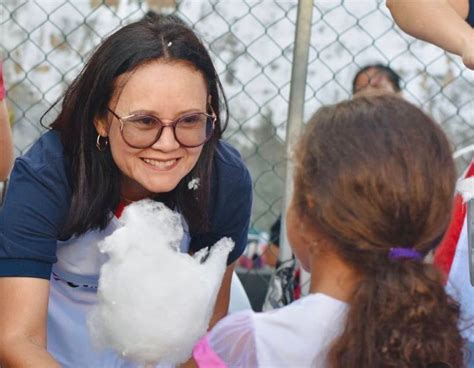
23,315
440,22
221,307
222,302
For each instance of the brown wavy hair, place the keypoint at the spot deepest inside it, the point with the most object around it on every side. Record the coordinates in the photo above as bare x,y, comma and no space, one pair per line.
380,175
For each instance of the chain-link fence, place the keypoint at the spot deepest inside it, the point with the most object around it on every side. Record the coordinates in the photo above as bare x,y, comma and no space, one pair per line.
44,44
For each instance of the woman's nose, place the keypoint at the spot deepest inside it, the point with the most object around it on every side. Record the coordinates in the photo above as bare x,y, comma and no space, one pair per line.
167,141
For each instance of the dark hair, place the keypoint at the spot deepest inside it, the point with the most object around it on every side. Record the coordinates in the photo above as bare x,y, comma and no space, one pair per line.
95,177
275,232
385,70
379,174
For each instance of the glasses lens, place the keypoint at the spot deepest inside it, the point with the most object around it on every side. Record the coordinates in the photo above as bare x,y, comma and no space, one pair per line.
193,130
141,130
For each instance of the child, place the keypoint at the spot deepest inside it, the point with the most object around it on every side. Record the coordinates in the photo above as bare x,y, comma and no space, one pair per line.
374,183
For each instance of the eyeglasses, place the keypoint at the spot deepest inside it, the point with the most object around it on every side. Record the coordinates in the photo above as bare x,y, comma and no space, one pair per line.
144,130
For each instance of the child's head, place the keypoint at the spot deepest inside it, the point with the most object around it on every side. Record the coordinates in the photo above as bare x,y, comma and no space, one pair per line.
373,174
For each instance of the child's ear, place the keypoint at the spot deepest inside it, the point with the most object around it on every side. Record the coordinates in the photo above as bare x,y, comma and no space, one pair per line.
310,201
101,127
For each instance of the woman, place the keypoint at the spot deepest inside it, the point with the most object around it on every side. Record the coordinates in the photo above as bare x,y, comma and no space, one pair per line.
142,120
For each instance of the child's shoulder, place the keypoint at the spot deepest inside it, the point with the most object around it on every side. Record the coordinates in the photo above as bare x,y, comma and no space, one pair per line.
313,309
294,335
299,333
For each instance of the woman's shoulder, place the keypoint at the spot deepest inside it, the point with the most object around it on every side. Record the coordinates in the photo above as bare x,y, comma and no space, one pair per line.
230,201
43,165
47,151
35,208
230,174
231,185
228,157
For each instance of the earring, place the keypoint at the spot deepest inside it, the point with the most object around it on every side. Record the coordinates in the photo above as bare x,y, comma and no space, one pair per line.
101,146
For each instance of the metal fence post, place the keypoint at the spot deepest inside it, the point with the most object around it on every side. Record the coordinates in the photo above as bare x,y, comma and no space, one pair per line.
296,106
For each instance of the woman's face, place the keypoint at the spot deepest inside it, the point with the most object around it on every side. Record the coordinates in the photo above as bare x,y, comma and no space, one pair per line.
167,90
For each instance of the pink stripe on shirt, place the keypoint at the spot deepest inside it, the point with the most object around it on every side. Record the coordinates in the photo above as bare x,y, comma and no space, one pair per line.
205,357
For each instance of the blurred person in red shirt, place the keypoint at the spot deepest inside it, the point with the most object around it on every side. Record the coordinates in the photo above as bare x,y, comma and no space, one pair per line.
6,144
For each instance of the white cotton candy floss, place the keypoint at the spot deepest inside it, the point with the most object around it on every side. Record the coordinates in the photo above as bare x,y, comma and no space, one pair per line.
154,302
466,188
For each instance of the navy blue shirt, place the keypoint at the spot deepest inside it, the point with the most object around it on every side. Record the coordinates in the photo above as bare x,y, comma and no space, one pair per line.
470,14
39,194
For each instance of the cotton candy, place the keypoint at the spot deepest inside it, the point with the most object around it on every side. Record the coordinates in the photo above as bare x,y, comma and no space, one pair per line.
154,302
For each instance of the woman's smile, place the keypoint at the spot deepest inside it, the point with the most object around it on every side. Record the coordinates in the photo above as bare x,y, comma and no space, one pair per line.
161,165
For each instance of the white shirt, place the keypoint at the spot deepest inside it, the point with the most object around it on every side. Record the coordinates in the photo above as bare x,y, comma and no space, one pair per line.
297,335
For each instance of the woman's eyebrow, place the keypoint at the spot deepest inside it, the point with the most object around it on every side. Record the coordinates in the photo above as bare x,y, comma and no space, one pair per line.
155,113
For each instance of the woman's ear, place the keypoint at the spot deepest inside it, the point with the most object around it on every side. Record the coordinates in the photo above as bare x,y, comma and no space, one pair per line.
101,127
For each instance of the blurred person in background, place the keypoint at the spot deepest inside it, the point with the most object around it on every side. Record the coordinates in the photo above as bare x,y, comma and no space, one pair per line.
142,120
452,257
270,254
373,188
376,78
448,24
6,143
